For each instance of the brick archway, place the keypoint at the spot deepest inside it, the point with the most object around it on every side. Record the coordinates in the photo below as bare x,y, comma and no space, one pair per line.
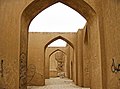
36,7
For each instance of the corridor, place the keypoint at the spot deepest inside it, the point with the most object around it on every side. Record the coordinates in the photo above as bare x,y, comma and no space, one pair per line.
41,40
57,83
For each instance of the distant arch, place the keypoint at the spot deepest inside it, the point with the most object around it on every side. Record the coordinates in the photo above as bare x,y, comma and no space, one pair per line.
47,60
56,51
65,58
59,37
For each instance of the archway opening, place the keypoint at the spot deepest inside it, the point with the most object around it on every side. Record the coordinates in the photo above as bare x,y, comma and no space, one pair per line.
82,7
57,64
57,18
63,57
58,43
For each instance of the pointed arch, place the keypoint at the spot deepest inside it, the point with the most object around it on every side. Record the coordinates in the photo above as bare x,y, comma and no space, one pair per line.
80,6
56,51
30,11
59,37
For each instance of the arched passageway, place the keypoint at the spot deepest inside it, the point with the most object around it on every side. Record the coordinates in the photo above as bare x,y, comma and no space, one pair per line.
57,18
81,7
36,52
47,55
59,37
57,64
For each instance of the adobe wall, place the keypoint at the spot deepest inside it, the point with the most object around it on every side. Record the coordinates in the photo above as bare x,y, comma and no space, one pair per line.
36,56
87,67
110,40
10,41
52,66
91,57
80,57
83,58
54,69
71,64
108,20
48,52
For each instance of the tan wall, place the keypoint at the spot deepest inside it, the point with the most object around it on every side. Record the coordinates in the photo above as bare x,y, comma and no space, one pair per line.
86,59
48,52
9,42
53,63
80,57
36,52
91,57
52,66
53,74
71,63
110,41
108,21
88,55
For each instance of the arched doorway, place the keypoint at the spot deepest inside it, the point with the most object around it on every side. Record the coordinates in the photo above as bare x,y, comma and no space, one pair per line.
69,43
47,59
54,70
36,7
